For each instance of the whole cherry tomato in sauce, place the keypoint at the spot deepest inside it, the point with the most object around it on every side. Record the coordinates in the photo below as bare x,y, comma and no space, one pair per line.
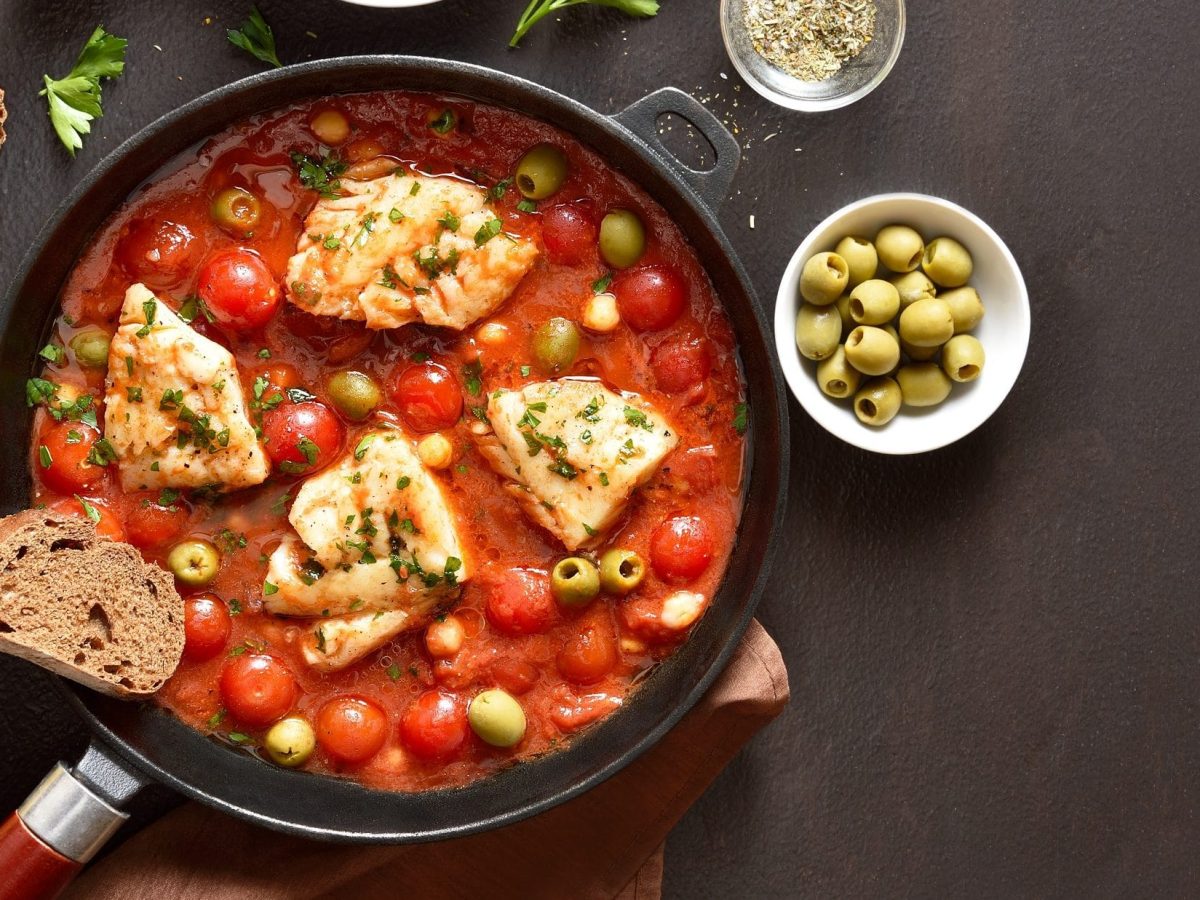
239,289
206,626
429,397
152,524
588,655
257,688
158,253
514,675
650,298
107,523
679,365
681,548
519,602
303,437
435,726
351,729
61,458
569,233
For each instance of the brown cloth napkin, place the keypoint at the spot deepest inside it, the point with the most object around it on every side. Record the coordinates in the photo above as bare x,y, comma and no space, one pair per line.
607,843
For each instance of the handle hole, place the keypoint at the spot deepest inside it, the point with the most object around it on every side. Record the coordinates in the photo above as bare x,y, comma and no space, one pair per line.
685,142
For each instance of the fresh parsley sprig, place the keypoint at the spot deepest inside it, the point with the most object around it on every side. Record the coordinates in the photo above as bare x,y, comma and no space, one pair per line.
539,9
256,38
74,101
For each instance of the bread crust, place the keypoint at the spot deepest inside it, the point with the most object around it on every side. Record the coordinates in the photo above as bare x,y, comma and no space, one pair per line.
85,607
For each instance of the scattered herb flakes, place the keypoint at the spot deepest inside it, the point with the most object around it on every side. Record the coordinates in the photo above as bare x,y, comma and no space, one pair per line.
269,589
102,453
527,206
361,450
44,456
53,354
393,672
402,482
320,173
215,719
637,419
600,285
741,417
395,216
487,231
194,306
239,737
473,375
235,606
88,510
256,38
809,40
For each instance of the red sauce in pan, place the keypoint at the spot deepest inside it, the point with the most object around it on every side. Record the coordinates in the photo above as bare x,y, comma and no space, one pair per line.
578,665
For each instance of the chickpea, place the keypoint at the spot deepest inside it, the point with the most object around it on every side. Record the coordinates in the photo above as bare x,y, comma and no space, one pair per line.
600,313
445,638
330,127
492,334
435,451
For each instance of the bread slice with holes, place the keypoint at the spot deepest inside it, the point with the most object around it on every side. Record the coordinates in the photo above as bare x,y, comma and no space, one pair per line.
85,607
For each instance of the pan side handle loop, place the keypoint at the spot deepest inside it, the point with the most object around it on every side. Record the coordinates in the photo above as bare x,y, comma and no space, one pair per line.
641,117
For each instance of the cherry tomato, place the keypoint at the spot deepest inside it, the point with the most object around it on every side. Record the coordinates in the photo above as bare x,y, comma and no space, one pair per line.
681,364
206,626
514,675
351,729
158,253
435,726
280,377
519,602
303,437
587,656
569,233
109,525
150,524
257,688
429,396
650,298
63,462
239,288
681,548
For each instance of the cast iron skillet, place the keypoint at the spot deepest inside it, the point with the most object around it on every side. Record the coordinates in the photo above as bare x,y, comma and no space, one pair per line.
137,742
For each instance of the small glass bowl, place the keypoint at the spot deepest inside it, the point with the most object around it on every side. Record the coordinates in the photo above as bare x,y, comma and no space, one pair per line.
857,78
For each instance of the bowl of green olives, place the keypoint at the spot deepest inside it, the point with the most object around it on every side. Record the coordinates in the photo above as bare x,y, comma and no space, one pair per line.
901,323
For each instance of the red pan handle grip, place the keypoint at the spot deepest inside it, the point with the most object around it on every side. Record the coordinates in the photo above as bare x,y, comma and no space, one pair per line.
32,871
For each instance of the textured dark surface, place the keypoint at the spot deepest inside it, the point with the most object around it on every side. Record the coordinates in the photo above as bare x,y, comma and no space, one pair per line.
993,648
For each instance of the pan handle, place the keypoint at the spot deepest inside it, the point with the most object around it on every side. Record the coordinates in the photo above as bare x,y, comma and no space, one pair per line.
63,823
641,118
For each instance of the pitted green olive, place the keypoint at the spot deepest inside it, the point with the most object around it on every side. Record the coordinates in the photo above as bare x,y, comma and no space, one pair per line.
962,358
860,257
824,278
923,384
818,330
541,172
497,718
574,581
91,348
622,238
966,309
947,262
877,401
927,323
872,350
355,394
899,247
290,742
621,571
194,562
836,377
556,344
874,302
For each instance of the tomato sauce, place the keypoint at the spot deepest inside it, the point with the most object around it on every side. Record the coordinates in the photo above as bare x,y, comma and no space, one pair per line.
581,664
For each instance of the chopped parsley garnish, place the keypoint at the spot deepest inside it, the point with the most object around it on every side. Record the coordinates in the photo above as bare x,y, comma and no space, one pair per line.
480,412
591,412
238,737
300,395
320,173
74,437
149,308
741,417
449,221
102,453
453,564
133,394
215,719
361,450
256,38
171,399
525,370
604,479
402,482
269,589
395,216
231,540
75,101
192,307
637,418
393,672
235,606
366,226
415,189
487,231
445,122
527,206
472,373
88,510
592,532
499,189
331,243
319,634
264,353
600,285
44,456
433,264
167,497
390,279
563,468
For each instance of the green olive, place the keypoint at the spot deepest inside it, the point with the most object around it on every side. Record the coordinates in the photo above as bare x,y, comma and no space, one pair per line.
919,354
860,256
836,377
877,401
872,350
966,309
91,348
874,302
622,238
962,358
497,718
927,323
923,384
843,308
914,286
899,247
541,172
947,262
818,330
194,562
290,742
556,344
236,209
621,571
574,581
824,278
354,394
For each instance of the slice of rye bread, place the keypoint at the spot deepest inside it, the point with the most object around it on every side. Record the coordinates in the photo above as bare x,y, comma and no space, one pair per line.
85,607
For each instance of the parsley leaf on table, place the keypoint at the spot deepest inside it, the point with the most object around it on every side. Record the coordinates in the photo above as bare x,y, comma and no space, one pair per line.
74,101
256,38
539,9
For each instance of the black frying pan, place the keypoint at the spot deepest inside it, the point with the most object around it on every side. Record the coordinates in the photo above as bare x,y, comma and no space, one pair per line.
74,812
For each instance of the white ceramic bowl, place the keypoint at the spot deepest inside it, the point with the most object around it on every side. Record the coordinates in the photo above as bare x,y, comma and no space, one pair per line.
1004,330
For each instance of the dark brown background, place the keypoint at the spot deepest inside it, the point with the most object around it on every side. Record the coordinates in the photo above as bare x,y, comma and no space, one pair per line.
993,648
